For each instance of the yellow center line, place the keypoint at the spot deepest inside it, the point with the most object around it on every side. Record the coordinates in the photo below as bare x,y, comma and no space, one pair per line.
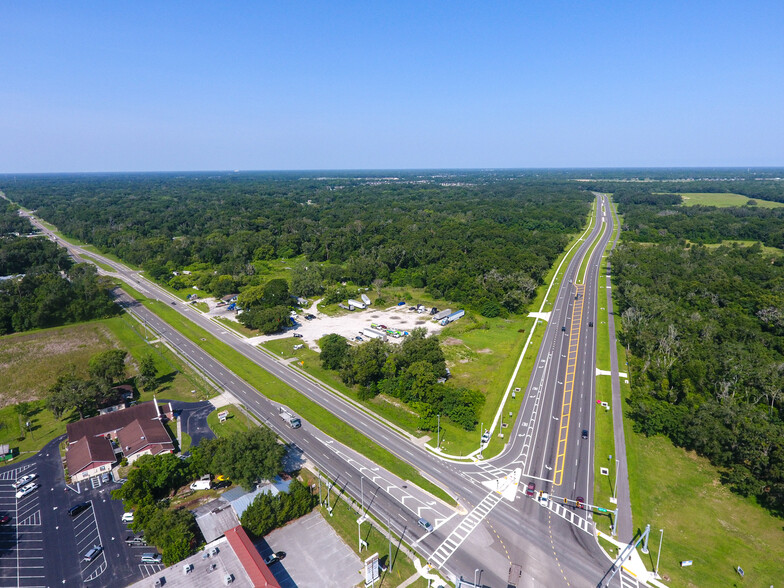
571,368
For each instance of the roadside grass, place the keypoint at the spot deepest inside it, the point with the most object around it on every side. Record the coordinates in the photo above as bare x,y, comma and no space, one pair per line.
94,249
344,522
587,257
277,391
238,328
604,446
236,422
100,264
43,428
186,442
721,200
202,306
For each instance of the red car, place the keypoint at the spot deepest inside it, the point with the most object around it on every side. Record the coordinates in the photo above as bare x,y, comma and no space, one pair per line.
5,519
531,489
580,502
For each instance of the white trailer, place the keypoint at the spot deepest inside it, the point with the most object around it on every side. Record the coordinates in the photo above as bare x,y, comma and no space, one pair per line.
442,315
373,334
365,299
452,317
356,303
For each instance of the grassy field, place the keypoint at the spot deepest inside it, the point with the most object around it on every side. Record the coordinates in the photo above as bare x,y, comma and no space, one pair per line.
30,363
236,422
238,328
277,391
723,200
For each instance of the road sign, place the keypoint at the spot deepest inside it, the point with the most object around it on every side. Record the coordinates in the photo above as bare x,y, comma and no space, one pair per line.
371,569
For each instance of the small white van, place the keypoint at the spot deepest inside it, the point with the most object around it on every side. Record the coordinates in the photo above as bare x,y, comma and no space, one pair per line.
127,517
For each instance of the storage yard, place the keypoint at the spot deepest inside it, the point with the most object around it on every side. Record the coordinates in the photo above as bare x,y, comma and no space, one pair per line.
368,324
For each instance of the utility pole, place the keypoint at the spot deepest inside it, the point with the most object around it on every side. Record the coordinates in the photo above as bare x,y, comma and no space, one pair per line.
389,536
658,555
362,491
615,488
438,435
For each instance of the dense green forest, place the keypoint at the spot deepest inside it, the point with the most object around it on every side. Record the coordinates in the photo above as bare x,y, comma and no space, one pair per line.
41,287
705,328
472,239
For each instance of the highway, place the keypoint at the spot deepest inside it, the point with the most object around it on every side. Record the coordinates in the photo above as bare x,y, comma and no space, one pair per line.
554,545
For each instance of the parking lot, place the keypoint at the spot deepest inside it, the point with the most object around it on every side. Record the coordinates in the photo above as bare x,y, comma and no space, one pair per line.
39,526
21,539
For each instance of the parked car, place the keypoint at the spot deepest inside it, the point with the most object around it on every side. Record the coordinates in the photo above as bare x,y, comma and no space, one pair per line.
425,525
5,519
297,335
78,508
26,490
127,517
153,558
24,480
530,489
94,551
358,338
106,478
274,557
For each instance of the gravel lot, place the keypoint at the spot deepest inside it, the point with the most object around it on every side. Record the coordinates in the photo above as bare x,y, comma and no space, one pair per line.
348,324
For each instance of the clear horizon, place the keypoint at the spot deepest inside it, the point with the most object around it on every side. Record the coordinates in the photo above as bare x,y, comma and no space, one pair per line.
97,88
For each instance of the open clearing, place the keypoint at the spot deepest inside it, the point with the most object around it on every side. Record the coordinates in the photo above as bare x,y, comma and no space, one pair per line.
722,200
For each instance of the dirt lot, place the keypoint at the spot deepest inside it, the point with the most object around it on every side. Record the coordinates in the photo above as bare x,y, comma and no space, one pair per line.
348,324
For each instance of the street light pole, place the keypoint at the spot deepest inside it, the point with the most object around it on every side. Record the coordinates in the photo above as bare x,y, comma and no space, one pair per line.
476,572
658,555
362,491
438,435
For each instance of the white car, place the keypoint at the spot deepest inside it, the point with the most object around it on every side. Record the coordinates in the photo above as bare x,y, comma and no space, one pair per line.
26,490
544,498
24,480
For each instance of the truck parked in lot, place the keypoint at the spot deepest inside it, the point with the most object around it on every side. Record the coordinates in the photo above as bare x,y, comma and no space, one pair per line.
203,483
452,317
365,299
356,303
290,419
374,334
442,315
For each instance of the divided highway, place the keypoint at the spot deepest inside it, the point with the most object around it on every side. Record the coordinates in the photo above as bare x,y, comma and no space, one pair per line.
545,443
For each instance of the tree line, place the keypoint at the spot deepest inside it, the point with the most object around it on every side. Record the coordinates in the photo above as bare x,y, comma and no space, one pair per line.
42,287
413,372
484,239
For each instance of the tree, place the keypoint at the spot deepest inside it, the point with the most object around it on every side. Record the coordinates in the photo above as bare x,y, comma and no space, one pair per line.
334,350
268,512
267,320
108,366
148,373
306,279
276,293
247,457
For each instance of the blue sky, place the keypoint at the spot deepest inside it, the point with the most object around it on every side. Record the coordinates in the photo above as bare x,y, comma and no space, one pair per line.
145,86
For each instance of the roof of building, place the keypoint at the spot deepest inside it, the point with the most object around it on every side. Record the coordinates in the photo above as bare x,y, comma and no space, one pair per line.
241,500
215,518
88,452
140,434
250,558
110,422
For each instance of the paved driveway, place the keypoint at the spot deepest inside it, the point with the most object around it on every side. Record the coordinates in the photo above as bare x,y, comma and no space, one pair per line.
193,416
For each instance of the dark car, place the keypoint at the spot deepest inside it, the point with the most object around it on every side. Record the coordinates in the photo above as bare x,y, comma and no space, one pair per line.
174,304
5,519
530,489
590,324
274,557
79,508
297,336
585,433
580,502
563,329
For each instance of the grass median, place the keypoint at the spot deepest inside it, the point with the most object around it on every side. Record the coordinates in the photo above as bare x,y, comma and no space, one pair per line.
277,391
